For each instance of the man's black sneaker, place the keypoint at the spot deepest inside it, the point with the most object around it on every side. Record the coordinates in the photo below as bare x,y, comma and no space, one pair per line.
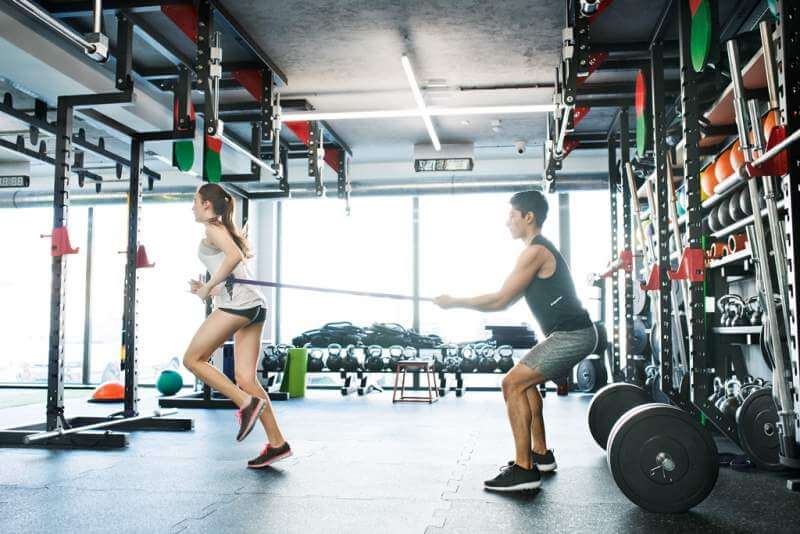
545,462
270,455
514,478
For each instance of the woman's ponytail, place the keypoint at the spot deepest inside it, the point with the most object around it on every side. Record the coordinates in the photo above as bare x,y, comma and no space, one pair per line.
225,207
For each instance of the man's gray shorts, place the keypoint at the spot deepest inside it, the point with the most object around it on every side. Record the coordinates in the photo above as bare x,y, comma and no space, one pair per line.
556,355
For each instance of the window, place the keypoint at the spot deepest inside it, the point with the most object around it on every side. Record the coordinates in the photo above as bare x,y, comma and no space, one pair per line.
466,250
590,236
168,314
370,250
25,281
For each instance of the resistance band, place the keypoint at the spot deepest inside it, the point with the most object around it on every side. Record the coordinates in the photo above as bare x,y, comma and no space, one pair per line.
264,283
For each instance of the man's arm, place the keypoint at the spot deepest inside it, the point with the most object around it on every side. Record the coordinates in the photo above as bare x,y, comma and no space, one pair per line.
528,265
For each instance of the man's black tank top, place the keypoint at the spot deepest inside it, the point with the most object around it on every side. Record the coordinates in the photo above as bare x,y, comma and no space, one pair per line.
553,300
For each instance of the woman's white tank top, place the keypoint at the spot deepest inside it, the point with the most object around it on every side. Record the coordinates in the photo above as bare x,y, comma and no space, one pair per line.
236,296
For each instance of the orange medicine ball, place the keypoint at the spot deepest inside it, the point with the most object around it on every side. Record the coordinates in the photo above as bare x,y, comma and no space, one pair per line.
770,121
707,181
737,156
723,169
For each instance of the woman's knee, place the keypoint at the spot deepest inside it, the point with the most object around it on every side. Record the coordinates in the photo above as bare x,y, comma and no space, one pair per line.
246,382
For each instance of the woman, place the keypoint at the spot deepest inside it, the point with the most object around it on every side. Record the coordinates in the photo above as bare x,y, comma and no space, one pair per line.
240,312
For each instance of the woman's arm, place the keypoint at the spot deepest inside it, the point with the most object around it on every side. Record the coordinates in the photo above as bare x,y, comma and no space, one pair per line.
528,264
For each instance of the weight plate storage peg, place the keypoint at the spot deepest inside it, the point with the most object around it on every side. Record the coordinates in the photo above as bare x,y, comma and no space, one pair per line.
662,459
757,423
592,374
609,404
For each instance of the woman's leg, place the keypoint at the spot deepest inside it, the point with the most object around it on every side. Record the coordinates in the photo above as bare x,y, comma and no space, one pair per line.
215,330
247,349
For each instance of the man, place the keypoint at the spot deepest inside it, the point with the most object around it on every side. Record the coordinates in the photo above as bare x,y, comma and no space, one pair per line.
541,275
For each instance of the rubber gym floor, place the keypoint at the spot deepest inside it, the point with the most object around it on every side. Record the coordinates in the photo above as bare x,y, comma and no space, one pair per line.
360,465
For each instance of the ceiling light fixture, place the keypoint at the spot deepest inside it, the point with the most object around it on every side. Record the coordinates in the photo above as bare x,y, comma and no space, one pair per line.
302,116
426,118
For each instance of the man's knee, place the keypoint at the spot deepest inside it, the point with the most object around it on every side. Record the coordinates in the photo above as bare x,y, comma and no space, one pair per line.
511,386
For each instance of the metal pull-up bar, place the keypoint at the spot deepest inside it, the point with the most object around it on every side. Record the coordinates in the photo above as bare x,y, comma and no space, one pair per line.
97,49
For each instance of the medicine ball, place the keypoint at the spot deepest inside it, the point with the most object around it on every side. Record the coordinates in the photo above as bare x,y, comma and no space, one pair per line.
724,214
713,221
169,382
735,209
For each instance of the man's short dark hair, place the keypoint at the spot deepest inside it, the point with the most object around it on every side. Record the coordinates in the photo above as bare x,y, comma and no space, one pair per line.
531,201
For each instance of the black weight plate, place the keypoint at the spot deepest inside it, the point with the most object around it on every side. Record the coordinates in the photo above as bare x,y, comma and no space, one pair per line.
757,422
592,374
608,405
663,460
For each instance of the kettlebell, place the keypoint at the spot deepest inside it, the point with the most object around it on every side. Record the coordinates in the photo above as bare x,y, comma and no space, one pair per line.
373,360
719,391
282,351
350,362
410,353
506,361
468,363
334,360
395,355
315,364
754,305
438,360
269,360
487,362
